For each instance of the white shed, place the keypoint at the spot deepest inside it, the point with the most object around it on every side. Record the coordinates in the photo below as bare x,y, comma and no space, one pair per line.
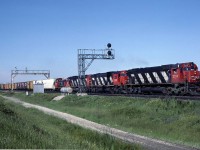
38,88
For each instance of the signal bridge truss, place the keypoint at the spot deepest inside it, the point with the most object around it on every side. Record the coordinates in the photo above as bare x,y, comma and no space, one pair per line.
85,59
16,72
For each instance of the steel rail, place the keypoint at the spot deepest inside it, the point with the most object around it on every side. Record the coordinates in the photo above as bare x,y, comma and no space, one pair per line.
187,98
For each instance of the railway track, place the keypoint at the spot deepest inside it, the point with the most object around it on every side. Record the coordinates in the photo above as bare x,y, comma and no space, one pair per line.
186,98
166,97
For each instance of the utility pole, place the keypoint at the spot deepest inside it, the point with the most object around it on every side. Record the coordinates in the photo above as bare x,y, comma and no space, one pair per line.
91,55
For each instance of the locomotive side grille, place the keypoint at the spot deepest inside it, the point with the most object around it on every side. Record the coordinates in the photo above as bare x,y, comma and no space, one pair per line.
161,77
111,81
137,78
157,77
153,77
98,81
106,81
102,81
164,74
93,81
133,80
136,81
145,78
76,82
149,78
72,82
141,78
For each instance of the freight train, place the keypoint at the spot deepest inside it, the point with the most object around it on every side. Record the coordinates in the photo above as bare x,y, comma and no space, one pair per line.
172,79
49,84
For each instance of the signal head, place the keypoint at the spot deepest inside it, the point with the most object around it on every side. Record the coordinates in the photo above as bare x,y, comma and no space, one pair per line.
109,53
109,45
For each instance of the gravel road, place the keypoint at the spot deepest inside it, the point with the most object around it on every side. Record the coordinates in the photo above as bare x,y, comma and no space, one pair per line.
147,143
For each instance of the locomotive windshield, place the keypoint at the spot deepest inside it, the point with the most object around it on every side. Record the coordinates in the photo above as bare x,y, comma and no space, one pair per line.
123,75
61,84
187,68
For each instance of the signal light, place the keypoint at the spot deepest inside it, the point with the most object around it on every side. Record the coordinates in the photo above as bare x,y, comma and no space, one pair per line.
109,53
109,45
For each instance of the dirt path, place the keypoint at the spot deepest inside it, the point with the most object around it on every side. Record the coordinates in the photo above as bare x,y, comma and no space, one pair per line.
147,143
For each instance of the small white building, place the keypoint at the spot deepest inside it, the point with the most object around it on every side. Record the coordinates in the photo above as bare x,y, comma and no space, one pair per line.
48,83
38,88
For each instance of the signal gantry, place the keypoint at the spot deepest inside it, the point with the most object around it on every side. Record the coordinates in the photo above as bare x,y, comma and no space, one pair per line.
87,56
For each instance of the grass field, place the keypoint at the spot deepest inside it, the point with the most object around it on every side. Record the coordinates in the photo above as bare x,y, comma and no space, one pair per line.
22,128
169,120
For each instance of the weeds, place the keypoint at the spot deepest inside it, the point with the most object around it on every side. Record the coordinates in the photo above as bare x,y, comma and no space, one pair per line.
170,120
23,128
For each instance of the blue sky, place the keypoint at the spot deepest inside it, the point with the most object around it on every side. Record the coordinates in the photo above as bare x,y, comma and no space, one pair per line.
45,34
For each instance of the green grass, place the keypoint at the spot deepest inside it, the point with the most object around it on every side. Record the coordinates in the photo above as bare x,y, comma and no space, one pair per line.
25,128
169,120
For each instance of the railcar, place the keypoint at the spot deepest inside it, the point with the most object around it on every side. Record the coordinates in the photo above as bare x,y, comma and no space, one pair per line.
1,86
30,85
49,84
6,86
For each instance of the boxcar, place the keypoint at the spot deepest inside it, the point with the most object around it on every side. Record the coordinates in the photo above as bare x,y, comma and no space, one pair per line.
30,85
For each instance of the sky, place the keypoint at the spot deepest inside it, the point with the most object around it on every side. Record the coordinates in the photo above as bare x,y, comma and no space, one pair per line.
45,34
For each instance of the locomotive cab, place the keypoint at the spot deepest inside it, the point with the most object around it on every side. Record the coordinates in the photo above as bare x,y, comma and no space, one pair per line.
120,78
58,83
66,83
186,72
